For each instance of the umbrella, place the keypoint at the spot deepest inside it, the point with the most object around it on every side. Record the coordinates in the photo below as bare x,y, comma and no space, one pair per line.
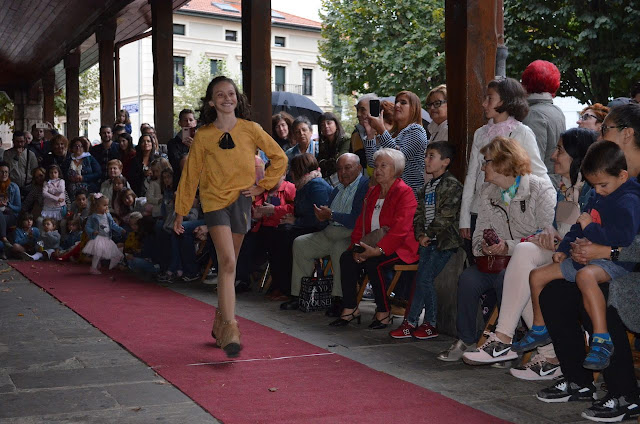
426,119
295,105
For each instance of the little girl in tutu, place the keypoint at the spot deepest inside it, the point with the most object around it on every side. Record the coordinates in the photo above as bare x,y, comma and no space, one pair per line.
98,228
53,194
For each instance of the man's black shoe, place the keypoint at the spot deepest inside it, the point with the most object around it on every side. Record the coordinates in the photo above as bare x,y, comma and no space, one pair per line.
290,305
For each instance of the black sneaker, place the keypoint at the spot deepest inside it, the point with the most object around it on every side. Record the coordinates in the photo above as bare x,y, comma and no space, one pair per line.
565,391
610,409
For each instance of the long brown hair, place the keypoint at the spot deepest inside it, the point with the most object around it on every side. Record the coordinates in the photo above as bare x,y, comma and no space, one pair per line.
415,111
209,114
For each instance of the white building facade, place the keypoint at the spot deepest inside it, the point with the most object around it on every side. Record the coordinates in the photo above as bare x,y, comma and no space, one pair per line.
210,30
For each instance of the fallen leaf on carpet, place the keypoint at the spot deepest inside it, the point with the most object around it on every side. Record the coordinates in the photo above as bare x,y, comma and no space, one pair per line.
20,315
33,266
137,409
273,389
5,270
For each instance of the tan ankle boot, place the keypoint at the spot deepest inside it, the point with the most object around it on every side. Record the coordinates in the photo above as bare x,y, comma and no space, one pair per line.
229,339
217,323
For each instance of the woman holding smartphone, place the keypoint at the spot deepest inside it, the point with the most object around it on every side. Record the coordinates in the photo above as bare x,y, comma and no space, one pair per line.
407,135
221,163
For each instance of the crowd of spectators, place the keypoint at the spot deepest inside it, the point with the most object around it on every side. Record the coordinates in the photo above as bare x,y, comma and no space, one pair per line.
372,197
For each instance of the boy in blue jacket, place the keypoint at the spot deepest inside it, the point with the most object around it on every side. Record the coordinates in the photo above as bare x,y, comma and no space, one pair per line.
612,218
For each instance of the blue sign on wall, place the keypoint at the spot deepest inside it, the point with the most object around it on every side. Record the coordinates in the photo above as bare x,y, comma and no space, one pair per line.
131,108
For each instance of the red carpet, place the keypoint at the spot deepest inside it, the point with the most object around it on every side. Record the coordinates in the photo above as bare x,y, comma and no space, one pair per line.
169,332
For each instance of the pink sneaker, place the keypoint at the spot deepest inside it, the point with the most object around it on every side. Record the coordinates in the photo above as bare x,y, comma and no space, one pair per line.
403,332
425,331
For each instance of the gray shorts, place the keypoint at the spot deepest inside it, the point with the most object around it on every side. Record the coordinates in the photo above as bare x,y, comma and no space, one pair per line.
237,216
614,270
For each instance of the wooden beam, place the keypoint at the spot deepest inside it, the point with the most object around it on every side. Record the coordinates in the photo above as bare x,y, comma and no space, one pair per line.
256,59
48,82
470,48
162,48
105,36
72,70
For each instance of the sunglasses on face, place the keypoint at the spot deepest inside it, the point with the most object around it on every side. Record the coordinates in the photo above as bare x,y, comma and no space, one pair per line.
226,142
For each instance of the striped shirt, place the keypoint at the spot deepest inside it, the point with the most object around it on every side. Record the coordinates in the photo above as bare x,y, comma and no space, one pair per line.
412,141
430,201
343,202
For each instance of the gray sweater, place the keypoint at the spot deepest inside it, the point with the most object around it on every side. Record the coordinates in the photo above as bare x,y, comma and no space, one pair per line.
547,122
624,292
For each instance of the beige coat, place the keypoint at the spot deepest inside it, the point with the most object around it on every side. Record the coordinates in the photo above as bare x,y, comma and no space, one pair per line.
532,209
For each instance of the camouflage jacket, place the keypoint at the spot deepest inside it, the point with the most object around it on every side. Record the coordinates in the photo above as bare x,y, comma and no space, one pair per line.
444,226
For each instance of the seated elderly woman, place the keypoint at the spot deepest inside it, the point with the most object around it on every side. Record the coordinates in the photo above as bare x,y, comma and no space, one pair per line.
388,208
301,134
514,204
311,189
573,193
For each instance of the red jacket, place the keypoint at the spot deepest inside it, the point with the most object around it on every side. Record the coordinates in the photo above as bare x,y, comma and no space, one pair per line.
397,213
286,193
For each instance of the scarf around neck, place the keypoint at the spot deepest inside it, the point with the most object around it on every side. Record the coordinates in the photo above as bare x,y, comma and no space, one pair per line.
503,129
308,177
4,188
510,193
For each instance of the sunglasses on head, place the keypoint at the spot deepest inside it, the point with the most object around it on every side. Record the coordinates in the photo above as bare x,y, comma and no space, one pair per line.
226,142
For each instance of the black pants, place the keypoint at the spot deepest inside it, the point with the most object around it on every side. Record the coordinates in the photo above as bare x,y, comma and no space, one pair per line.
374,267
6,220
563,311
282,255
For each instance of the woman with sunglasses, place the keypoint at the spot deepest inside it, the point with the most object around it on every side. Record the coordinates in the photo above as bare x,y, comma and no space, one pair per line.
437,107
592,117
222,163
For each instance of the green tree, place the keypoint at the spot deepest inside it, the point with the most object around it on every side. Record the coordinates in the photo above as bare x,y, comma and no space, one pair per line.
382,46
6,109
196,80
594,43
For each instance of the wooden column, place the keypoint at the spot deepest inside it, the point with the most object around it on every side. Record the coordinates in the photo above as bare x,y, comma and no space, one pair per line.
162,47
470,47
256,59
105,36
72,69
48,83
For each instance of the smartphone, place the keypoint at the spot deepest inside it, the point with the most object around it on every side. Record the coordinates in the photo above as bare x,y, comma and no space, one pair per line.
374,108
357,248
188,132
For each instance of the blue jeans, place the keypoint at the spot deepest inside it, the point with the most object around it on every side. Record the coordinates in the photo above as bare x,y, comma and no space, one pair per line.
183,257
432,262
142,265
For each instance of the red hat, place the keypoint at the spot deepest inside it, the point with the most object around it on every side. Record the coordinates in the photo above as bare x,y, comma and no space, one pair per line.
541,77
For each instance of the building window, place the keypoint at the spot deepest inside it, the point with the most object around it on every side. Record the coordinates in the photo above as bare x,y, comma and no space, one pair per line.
85,127
280,78
214,66
178,70
178,29
307,82
230,35
279,42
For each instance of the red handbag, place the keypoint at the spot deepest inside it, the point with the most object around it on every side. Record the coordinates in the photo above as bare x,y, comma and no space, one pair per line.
492,264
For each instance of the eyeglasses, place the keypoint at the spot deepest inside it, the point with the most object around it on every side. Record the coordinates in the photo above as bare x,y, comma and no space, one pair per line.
226,142
435,104
586,116
605,128
486,162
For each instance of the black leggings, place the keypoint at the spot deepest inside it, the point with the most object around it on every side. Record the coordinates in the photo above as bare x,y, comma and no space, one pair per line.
563,311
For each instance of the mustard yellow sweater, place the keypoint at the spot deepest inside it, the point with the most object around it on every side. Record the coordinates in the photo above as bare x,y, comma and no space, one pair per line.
223,174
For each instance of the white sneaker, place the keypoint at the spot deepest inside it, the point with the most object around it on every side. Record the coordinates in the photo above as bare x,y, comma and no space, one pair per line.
537,369
492,351
455,351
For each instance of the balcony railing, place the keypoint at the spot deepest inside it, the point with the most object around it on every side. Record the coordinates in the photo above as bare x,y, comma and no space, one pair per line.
291,88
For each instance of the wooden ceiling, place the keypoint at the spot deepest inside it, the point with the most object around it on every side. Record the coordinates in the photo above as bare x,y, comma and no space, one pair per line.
36,35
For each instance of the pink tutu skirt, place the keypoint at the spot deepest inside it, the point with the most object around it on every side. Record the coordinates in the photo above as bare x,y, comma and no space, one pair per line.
105,248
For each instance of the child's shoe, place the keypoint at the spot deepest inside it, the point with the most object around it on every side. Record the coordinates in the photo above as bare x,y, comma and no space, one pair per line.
599,355
532,340
165,277
405,331
94,271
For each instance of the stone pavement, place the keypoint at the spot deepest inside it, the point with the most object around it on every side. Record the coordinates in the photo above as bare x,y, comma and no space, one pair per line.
56,367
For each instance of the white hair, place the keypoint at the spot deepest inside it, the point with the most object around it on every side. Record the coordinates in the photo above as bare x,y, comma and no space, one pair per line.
395,155
350,156
367,97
